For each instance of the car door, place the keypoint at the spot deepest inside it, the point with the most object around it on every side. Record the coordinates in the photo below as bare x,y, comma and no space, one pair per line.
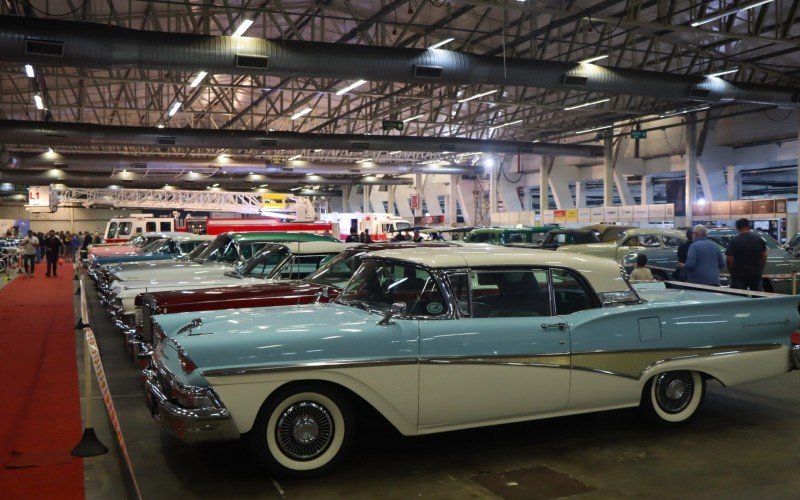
505,358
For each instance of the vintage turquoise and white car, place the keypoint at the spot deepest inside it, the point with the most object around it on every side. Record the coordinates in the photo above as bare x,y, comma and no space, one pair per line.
452,338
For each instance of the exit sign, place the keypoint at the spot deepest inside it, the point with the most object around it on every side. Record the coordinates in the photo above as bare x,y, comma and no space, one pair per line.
393,124
638,134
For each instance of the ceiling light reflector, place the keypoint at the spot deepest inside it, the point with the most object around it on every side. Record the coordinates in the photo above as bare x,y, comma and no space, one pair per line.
29,71
301,113
491,129
242,28
568,108
174,108
198,79
593,59
39,102
351,87
413,118
441,44
476,96
720,73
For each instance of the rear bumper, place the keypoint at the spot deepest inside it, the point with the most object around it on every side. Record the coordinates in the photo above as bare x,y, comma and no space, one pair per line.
794,356
191,425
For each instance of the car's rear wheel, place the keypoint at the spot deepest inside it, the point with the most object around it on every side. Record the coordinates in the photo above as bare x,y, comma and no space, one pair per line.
303,430
672,398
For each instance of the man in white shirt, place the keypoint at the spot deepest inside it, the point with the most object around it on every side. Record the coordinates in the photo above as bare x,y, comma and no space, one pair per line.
29,245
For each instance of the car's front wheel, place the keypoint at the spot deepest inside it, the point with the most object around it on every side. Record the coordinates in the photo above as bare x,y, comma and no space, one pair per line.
303,430
672,398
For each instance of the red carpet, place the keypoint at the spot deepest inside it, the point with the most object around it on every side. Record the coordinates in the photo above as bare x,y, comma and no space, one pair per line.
40,400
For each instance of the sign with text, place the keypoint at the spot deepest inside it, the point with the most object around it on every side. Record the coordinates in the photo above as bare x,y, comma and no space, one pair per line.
763,207
721,209
640,212
741,208
548,216
657,212
413,200
610,214
39,196
572,215
700,209
393,125
597,214
584,215
626,213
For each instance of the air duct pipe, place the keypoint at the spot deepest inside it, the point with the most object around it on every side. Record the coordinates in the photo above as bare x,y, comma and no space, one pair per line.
186,181
108,162
88,135
51,42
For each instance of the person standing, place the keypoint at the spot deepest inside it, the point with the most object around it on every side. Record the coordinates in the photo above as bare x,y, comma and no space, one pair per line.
703,260
642,272
97,239
352,237
365,237
87,240
29,246
746,256
683,252
74,245
52,249
417,238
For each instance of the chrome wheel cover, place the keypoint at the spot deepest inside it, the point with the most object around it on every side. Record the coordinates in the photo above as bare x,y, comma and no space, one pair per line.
304,430
674,391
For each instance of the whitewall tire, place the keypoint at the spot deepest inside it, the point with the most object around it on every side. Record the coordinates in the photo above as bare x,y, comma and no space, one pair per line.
303,430
672,398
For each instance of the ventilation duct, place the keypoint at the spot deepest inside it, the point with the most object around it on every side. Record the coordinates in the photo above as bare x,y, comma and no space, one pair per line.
51,42
87,135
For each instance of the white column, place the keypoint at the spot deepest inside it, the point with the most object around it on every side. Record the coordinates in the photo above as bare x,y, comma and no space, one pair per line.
544,183
608,168
390,198
647,190
690,131
452,196
580,194
365,200
734,189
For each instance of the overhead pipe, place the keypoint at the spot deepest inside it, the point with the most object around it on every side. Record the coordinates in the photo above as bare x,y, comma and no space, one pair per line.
117,161
52,42
186,181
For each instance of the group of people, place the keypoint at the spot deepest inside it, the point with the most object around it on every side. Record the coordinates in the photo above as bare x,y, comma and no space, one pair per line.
54,248
700,261
354,237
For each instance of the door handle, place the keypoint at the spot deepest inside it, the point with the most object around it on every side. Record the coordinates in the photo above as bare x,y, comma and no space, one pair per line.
551,326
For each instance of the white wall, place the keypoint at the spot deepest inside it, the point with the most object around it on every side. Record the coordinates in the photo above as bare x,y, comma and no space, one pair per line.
65,219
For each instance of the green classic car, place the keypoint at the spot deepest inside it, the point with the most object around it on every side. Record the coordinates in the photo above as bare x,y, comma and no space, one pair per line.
660,246
505,235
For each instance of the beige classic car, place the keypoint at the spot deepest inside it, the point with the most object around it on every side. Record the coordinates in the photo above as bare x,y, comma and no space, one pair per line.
660,246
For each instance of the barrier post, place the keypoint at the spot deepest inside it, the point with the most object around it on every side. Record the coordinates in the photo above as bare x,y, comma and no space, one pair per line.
89,445
794,282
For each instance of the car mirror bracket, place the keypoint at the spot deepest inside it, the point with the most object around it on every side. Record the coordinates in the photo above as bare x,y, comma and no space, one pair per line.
394,309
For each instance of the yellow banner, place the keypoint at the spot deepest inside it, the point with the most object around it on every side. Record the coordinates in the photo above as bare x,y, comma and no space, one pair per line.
274,200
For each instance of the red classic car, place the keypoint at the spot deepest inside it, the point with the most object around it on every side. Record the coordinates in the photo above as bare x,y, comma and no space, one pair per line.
323,285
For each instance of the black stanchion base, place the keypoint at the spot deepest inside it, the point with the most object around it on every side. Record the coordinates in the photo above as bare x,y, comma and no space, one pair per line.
80,325
75,278
78,291
89,445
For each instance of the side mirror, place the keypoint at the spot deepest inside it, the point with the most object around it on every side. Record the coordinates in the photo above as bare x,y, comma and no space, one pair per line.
396,308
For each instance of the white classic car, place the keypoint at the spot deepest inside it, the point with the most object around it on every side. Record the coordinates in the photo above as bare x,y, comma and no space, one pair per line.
452,338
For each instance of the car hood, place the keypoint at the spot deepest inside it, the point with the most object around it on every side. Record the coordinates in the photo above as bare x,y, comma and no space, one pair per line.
170,299
111,250
590,248
119,259
170,270
128,289
240,338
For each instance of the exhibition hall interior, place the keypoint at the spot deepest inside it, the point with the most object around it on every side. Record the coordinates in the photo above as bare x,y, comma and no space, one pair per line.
447,249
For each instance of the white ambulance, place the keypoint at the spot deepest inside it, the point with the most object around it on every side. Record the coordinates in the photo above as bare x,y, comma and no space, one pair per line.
121,229
382,227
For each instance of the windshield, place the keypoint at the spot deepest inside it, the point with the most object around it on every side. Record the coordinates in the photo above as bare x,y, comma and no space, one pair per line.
481,237
155,246
193,255
402,226
264,262
376,285
725,238
338,271
138,241
217,247
794,241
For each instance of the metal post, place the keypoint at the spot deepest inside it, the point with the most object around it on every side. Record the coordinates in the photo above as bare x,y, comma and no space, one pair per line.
690,131
608,168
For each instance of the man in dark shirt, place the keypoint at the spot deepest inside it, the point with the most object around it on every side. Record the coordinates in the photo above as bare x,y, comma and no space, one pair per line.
683,253
52,248
352,237
746,258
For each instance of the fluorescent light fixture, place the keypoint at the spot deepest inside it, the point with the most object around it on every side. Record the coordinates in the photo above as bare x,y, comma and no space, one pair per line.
174,108
242,28
683,111
317,150
295,157
50,151
491,129
301,113
198,79
595,129
413,118
720,73
351,87
39,102
364,160
215,185
601,101
29,71
729,12
160,125
593,59
441,44
394,152
477,96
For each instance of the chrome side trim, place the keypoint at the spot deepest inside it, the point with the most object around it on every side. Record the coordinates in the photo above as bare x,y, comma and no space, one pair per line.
320,365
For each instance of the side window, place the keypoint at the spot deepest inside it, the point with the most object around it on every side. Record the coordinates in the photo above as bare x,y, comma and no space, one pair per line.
671,242
266,264
150,227
650,240
633,241
459,283
515,238
570,294
112,230
301,266
499,294
165,226
124,229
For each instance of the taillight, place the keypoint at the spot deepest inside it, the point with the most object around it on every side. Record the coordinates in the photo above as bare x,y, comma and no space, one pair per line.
796,338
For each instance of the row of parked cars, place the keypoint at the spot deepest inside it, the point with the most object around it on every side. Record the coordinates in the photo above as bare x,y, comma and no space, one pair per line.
284,339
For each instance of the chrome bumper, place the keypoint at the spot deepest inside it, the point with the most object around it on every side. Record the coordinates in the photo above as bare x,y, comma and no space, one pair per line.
190,425
794,356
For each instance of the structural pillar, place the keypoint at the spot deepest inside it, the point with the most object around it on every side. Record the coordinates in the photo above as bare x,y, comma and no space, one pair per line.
734,193
690,131
580,194
544,185
647,190
390,199
452,196
608,168
365,203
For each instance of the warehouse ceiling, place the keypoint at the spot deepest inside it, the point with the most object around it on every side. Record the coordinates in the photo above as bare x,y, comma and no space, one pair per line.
754,41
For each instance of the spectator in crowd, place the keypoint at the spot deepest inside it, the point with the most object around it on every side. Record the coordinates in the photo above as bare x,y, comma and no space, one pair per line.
87,240
29,246
365,237
75,244
746,257
417,238
40,248
399,236
52,246
642,272
97,239
703,260
683,251
352,237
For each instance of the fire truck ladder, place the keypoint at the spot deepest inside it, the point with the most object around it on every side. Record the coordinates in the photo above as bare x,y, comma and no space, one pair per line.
207,201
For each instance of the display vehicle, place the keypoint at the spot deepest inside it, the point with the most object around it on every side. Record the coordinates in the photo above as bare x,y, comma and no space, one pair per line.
504,235
454,338
130,247
170,247
608,233
565,237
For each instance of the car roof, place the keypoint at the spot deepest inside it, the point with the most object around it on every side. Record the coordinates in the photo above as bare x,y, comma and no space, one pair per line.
674,233
312,247
162,234
278,236
564,230
527,229
603,274
193,237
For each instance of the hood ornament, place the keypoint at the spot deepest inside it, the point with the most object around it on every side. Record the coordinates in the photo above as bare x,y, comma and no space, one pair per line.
190,326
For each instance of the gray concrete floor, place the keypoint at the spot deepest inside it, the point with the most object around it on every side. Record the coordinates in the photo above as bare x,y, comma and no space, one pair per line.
743,444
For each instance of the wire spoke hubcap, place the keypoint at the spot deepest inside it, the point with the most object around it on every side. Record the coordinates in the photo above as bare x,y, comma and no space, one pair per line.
304,430
674,391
